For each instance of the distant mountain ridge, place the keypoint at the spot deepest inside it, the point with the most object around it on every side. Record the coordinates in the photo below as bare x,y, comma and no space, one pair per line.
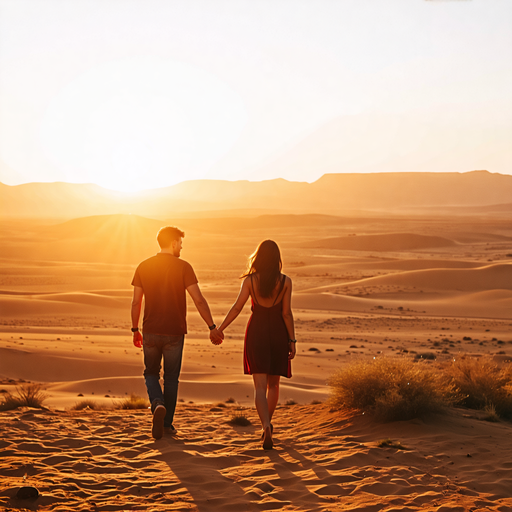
331,193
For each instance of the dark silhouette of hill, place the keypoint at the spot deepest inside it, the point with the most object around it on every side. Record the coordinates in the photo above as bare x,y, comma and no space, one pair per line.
332,193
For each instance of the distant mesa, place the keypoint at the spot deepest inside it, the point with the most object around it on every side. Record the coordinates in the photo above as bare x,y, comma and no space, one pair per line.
391,242
331,194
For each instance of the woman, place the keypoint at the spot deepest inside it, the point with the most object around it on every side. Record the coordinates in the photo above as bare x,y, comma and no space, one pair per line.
270,336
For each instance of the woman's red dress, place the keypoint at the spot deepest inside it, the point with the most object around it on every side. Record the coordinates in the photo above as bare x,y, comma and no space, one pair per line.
266,339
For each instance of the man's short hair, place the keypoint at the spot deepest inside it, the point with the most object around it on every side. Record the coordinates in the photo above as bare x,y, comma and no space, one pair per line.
167,234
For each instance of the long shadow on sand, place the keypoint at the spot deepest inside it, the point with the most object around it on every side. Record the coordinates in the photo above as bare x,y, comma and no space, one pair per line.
238,475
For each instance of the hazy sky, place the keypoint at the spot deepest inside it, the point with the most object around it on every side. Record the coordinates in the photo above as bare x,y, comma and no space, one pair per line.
136,94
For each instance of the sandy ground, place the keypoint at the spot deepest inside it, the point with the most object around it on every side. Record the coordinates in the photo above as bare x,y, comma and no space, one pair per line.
410,285
323,461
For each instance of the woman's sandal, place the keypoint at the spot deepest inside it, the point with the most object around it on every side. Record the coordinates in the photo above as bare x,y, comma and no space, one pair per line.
267,439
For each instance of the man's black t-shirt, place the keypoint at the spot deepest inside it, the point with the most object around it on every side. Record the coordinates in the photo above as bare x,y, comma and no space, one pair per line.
164,279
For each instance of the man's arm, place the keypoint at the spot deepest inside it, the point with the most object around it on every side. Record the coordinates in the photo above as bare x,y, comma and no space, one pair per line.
138,294
204,310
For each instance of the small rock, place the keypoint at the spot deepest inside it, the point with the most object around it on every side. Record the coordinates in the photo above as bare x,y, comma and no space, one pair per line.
27,493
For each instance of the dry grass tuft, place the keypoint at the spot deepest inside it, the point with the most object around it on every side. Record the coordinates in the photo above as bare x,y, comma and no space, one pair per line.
392,389
240,419
491,414
27,395
86,404
388,443
290,401
134,402
483,383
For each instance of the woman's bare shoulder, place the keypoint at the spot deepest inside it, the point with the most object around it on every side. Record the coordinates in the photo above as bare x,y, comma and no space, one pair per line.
248,281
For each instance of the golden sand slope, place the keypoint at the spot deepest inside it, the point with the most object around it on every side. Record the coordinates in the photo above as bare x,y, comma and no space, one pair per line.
322,461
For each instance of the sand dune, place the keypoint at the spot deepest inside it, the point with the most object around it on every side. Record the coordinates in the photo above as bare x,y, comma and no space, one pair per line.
93,299
104,225
481,292
489,277
23,306
394,242
384,264
60,303
496,305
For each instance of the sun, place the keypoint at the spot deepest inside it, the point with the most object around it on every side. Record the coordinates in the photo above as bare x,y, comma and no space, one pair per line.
141,123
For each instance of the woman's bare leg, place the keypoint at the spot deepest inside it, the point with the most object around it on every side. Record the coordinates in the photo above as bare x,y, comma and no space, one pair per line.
260,398
272,394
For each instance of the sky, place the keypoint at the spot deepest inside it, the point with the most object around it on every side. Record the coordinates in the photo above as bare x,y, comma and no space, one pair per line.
138,94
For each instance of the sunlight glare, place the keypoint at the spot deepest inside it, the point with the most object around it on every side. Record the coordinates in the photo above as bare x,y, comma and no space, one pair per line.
141,123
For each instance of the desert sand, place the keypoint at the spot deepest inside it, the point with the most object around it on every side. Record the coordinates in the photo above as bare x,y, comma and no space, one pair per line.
366,284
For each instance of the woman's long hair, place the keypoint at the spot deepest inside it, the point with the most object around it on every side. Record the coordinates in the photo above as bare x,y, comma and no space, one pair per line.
266,261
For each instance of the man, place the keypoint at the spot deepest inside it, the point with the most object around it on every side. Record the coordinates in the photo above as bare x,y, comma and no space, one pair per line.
162,280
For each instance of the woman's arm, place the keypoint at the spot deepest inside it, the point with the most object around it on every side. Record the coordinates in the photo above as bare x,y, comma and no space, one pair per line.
288,317
237,307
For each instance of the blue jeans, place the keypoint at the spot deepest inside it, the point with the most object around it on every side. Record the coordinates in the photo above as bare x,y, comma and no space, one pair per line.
171,348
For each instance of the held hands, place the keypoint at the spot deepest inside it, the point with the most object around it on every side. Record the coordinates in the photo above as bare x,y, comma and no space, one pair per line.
137,339
216,336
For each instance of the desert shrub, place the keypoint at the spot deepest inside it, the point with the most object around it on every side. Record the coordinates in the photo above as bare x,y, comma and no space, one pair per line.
290,401
134,402
483,383
230,400
240,419
389,443
10,402
491,414
27,395
392,389
85,404
425,355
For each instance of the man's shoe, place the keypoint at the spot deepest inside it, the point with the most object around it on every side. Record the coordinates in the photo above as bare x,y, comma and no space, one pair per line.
170,430
158,421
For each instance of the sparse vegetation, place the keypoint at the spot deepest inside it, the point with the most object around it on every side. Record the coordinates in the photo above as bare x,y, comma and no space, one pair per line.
86,404
388,443
425,355
290,401
230,400
134,402
240,419
483,383
491,414
26,395
399,389
392,389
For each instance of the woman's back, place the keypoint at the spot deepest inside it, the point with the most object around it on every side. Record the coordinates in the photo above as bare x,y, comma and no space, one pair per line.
277,293
266,339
